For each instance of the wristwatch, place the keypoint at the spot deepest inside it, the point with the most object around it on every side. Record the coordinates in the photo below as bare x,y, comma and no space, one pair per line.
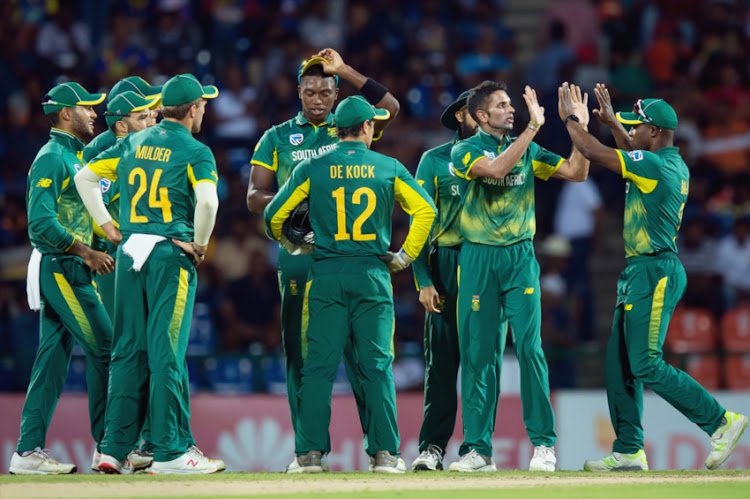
572,117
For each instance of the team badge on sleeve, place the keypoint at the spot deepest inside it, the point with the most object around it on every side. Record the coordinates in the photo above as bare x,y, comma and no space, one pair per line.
636,155
296,139
105,184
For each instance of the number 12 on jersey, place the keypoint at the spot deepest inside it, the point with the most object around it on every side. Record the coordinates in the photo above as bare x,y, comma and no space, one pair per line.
158,197
357,198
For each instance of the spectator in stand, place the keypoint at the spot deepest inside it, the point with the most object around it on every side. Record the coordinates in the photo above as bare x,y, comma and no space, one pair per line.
235,109
696,252
121,54
63,42
733,259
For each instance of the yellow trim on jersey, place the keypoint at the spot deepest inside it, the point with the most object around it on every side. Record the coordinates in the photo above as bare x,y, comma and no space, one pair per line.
544,170
204,180
78,313
654,323
99,232
305,322
106,168
191,175
115,198
65,184
179,309
467,175
423,216
274,167
278,218
645,185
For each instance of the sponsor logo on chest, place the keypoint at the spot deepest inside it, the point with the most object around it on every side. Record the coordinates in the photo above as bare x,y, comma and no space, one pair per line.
510,180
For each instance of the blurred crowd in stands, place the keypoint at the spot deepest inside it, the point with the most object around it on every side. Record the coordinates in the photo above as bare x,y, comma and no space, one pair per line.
693,54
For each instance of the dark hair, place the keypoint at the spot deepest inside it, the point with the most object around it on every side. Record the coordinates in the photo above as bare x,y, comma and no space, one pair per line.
178,112
349,131
316,70
54,118
479,95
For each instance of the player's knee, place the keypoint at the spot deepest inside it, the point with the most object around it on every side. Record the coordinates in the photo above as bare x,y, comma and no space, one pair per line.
646,370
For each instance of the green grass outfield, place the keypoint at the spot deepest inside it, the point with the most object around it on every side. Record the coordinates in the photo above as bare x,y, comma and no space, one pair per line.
516,484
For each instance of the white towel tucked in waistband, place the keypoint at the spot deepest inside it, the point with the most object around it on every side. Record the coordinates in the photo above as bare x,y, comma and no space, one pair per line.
139,247
33,294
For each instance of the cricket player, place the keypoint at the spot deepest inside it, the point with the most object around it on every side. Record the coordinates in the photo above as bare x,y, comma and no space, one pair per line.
60,280
168,206
436,279
279,151
498,274
657,182
348,296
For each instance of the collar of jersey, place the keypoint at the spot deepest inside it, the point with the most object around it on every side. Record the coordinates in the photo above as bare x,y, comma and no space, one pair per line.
172,125
494,138
301,120
351,143
66,138
668,150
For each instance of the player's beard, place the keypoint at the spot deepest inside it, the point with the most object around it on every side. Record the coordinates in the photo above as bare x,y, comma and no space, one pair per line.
465,130
81,128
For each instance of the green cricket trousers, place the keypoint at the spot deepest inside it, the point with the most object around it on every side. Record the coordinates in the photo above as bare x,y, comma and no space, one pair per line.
441,355
71,310
348,300
153,312
647,293
498,286
293,278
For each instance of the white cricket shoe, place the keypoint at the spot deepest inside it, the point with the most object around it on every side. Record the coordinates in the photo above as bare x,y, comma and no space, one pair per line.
618,462
473,462
111,466
384,462
220,465
725,438
371,467
307,463
38,463
544,459
186,464
431,459
140,459
95,460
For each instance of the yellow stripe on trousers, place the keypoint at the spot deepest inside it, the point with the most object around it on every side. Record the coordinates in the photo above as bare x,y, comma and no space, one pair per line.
179,309
78,313
657,306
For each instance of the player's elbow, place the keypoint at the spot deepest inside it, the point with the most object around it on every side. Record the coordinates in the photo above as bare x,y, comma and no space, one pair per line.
255,201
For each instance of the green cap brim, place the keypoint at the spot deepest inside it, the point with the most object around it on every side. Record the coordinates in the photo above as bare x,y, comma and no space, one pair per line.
210,92
629,119
381,114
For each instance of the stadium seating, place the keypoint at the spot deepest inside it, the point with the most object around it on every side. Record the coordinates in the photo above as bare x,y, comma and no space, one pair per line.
691,330
704,368
230,375
737,371
735,329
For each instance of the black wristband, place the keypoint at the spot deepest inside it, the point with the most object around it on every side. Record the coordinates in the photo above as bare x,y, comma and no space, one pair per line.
372,91
572,117
197,252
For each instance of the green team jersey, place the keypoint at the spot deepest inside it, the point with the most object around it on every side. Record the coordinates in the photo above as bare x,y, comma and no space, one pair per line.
159,167
55,211
655,195
284,146
500,212
351,192
110,189
435,174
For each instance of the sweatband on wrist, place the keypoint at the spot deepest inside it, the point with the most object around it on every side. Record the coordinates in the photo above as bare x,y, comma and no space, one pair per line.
372,91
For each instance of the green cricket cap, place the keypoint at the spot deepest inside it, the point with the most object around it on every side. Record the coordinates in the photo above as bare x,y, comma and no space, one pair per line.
355,110
138,85
448,118
69,94
185,88
313,61
651,112
124,104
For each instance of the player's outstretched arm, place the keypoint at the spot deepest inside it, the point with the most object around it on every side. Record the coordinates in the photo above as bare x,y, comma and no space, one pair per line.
583,141
375,93
576,167
606,115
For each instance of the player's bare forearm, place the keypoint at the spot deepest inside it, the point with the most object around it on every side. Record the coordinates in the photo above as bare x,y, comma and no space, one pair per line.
622,138
575,168
504,163
592,149
259,192
97,261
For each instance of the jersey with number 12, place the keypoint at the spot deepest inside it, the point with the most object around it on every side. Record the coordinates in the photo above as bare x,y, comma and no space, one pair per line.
158,170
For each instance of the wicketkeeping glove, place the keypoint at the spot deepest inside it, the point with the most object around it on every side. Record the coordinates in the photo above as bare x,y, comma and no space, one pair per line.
297,234
396,261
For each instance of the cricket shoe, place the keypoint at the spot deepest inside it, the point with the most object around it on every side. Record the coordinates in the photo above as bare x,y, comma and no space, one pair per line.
306,463
371,467
140,459
618,462
95,460
544,459
186,464
220,465
111,466
38,463
725,438
431,459
386,463
473,462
